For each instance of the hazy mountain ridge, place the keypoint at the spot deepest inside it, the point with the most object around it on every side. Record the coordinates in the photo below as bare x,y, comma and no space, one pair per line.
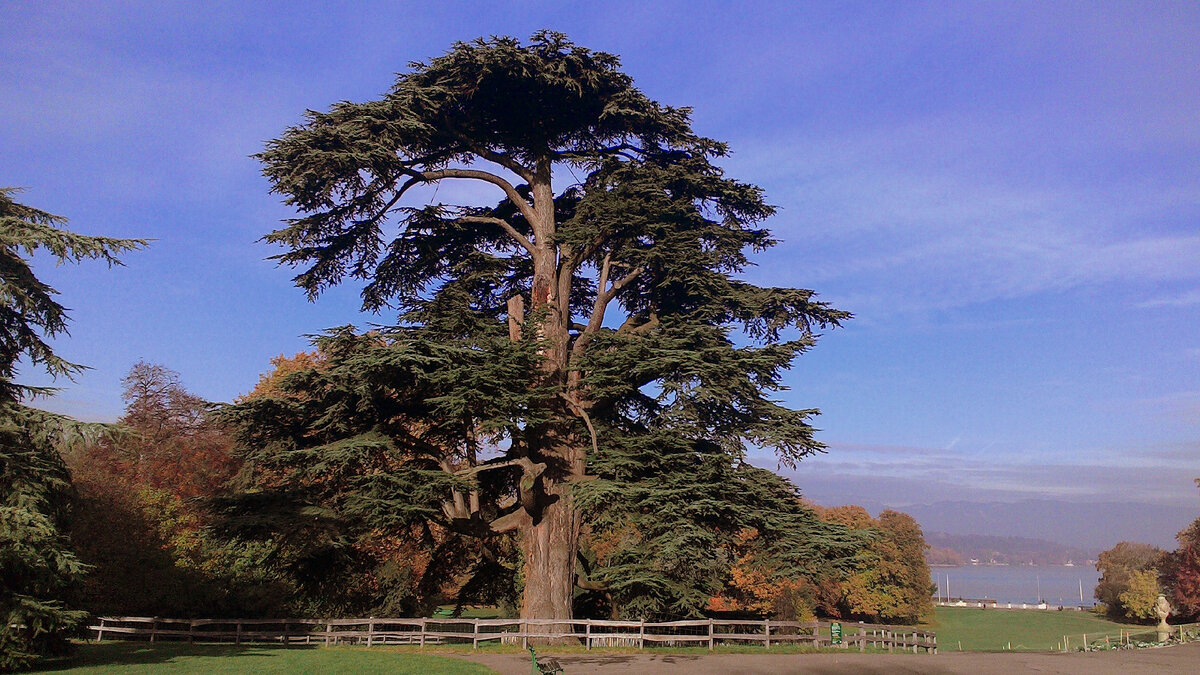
960,549
1093,526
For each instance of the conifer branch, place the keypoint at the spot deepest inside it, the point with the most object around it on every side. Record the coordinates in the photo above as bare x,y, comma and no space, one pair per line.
507,522
579,410
504,225
623,282
501,158
488,177
528,467
603,297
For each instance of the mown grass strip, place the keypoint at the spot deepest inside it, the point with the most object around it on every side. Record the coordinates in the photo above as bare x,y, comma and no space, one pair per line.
138,658
1024,630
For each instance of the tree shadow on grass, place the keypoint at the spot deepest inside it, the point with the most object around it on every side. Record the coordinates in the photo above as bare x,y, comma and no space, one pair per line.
148,653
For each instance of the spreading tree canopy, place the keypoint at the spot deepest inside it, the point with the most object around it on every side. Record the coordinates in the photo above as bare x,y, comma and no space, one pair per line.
36,565
586,340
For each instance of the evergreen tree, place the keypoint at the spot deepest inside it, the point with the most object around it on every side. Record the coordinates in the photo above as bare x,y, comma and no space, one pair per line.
555,337
37,568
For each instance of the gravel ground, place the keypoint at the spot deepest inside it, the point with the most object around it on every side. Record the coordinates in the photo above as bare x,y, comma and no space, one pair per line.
1180,659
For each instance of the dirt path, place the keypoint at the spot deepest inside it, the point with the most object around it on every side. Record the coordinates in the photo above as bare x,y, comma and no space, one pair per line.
1182,659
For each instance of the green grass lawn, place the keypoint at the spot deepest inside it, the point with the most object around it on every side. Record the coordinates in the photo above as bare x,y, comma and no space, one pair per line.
136,658
996,629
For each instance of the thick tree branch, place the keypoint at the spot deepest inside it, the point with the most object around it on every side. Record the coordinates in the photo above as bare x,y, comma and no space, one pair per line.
528,466
515,197
515,306
603,297
631,327
582,412
507,522
624,281
590,154
598,307
512,231
503,159
456,507
583,576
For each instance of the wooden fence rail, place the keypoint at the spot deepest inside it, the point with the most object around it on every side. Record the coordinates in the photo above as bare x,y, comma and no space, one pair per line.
590,632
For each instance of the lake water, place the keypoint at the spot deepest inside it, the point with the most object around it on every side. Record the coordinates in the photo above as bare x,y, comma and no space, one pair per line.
1019,583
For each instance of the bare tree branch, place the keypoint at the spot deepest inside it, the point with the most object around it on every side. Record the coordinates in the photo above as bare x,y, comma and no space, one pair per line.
503,159
508,522
624,281
515,197
528,467
631,327
579,410
603,297
512,231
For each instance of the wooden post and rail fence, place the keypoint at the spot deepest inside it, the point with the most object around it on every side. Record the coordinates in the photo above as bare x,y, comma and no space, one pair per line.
589,632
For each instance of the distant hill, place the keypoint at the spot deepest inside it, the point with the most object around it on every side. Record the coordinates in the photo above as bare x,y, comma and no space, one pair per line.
957,549
1088,526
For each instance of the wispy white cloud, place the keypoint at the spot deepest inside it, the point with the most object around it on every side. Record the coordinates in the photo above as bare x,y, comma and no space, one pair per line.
1185,299
957,209
896,476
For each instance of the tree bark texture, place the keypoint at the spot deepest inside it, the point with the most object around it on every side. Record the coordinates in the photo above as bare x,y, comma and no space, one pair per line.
550,549
550,537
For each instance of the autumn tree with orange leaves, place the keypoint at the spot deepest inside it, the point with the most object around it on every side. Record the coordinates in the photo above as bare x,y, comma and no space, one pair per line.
887,579
1180,574
140,520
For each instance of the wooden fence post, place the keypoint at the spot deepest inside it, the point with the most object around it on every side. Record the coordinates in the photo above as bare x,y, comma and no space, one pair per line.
670,632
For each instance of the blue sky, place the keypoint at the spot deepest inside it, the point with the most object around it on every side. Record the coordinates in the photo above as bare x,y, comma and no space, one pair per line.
1007,195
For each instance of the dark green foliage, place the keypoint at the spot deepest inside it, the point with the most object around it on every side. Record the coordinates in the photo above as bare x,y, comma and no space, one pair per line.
37,568
351,450
665,517
28,311
597,331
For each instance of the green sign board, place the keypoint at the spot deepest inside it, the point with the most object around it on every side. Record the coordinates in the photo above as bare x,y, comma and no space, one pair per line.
835,633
